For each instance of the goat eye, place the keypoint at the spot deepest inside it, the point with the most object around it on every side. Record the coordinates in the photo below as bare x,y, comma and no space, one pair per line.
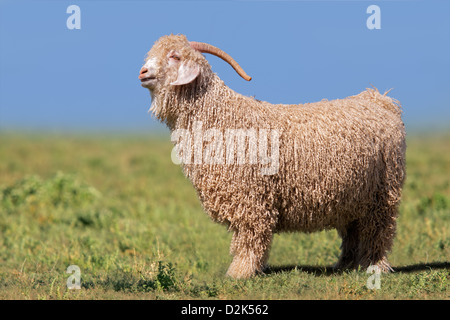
175,57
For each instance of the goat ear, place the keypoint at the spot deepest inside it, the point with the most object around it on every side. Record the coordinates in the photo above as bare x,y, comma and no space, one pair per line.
187,72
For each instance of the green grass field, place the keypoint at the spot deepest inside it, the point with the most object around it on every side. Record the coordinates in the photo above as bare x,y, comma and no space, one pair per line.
119,209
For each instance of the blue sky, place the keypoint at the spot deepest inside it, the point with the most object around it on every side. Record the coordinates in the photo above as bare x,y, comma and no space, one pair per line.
56,79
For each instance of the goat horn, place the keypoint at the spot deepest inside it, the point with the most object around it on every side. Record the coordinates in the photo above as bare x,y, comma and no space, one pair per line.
207,48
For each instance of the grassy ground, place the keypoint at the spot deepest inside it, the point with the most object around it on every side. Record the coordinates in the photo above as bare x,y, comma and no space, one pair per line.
119,209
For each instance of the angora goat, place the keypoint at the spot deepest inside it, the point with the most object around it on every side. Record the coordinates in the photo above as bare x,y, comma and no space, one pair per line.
261,168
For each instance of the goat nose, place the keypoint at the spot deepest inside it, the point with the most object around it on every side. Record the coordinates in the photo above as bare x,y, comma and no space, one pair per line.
142,73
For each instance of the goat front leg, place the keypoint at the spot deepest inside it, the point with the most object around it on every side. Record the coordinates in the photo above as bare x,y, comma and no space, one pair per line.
250,252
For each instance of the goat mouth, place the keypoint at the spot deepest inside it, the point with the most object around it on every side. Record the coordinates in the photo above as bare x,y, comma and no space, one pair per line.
145,82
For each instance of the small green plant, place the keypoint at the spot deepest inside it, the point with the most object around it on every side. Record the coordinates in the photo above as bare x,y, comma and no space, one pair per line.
62,190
